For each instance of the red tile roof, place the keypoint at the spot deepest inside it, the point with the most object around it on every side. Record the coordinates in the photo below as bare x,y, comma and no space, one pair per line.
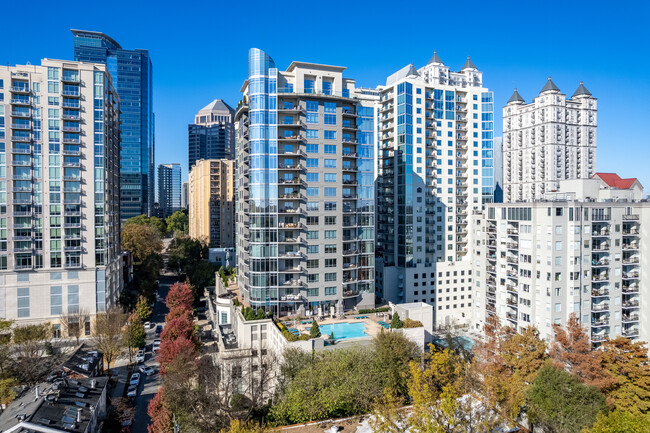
615,181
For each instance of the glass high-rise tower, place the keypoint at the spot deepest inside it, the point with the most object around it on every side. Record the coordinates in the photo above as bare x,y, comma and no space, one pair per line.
131,71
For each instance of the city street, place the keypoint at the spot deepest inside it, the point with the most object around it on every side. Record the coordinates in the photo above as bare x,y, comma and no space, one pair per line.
149,385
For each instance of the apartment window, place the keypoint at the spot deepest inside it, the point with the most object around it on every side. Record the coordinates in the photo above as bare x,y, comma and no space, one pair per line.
330,149
330,135
312,177
558,307
330,248
312,220
309,85
312,205
22,294
330,192
330,276
312,133
73,299
312,192
330,177
330,205
330,234
312,278
329,163
312,148
330,263
312,249
312,234
330,291
311,264
312,292
312,162
330,220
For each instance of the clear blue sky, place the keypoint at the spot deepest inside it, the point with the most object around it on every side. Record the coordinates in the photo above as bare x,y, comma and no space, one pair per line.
199,52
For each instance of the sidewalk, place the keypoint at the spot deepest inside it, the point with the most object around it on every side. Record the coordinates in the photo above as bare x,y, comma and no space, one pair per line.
120,371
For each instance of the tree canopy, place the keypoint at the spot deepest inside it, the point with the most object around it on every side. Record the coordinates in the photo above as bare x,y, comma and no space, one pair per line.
141,240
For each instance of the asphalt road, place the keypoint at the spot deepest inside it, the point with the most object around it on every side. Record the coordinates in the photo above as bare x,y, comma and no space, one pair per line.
149,385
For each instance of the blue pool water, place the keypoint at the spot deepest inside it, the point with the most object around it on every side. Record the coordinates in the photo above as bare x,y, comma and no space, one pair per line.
345,330
466,342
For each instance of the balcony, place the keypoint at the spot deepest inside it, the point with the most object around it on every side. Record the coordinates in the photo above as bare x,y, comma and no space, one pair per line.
21,138
71,105
70,78
21,101
71,140
74,117
599,307
71,93
75,128
20,89
22,126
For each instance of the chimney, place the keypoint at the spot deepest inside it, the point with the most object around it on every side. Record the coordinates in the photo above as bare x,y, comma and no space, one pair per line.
36,392
79,415
93,383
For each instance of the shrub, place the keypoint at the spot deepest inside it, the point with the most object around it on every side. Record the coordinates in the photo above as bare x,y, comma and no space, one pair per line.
314,332
409,323
396,322
374,310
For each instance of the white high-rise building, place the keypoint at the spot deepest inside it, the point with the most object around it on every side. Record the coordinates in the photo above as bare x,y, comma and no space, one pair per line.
548,140
59,191
581,250
434,168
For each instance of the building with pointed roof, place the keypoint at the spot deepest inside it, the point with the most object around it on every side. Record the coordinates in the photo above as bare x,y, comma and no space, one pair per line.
212,135
548,140
434,168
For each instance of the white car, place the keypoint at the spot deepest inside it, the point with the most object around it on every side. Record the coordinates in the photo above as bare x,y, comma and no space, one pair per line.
147,325
132,391
146,370
156,346
135,379
139,357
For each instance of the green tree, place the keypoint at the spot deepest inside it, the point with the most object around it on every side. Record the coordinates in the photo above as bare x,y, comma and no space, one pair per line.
5,340
153,222
178,223
560,403
396,322
314,332
134,333
392,353
619,421
8,388
141,240
143,309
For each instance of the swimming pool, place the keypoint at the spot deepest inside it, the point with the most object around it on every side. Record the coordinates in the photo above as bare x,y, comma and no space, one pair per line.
345,330
466,342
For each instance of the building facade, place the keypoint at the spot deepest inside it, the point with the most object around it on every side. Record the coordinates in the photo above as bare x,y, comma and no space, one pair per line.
212,135
169,188
548,140
305,196
185,193
132,77
59,191
212,202
435,166
579,251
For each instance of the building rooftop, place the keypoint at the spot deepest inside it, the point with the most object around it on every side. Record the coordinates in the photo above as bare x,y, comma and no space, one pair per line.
613,180
435,59
468,65
95,35
65,405
516,97
549,86
84,361
581,91
217,105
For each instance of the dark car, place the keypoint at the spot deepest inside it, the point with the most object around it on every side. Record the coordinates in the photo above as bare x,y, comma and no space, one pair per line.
158,330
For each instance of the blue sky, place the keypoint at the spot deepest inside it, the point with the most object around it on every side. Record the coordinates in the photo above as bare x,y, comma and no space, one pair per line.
199,52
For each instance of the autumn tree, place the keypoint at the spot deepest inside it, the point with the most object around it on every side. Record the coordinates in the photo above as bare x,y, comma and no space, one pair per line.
171,349
107,334
572,351
389,415
143,309
489,358
628,364
153,222
141,240
8,390
621,422
161,417
559,402
29,345
180,295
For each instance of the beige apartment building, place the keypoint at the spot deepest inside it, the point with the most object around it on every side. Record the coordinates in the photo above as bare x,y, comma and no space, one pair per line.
211,196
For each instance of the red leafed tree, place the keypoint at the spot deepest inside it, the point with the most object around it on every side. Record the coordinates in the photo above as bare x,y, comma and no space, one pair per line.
179,312
175,350
572,351
176,328
161,417
180,295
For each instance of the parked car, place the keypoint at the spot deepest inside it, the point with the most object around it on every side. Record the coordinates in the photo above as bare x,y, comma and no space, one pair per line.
158,330
135,379
147,325
139,357
132,391
156,346
126,426
146,370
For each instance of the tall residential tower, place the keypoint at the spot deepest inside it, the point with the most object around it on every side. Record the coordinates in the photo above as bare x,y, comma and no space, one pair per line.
305,195
212,135
132,77
548,140
59,191
435,167
169,188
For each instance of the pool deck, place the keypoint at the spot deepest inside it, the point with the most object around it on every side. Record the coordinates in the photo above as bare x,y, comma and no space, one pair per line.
372,327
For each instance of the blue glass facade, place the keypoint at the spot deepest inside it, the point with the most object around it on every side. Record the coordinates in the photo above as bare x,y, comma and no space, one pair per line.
487,146
131,71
